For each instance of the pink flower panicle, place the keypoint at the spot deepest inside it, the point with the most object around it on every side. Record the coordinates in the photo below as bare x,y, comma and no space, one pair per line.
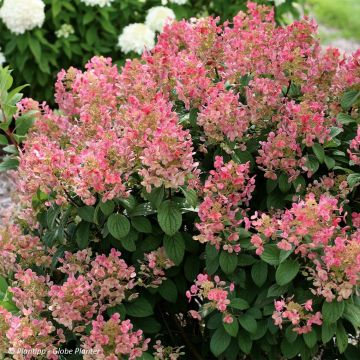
213,294
227,187
30,292
167,352
113,339
301,316
152,269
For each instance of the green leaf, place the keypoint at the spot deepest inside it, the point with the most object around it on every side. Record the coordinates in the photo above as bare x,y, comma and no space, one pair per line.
319,152
107,207
3,287
329,162
219,341
244,341
271,254
35,48
175,247
290,334
82,234
3,140
128,241
290,350
335,131
312,164
286,272
239,304
259,273
352,314
341,338
191,197
120,309
345,119
155,196
168,291
310,339
228,262
233,328
169,217
141,209
353,180
9,164
86,213
118,225
331,312
139,308
284,184
141,224
349,98
248,323
9,306
327,331
277,290
148,325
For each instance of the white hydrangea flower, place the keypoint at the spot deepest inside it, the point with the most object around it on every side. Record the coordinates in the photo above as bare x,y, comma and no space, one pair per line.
136,37
22,15
157,17
65,31
178,2
2,58
100,3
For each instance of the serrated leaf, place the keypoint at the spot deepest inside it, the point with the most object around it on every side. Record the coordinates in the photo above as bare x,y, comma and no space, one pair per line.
168,291
284,184
169,217
228,262
248,323
3,140
9,164
139,308
82,235
327,331
107,207
259,273
239,304
175,247
86,213
155,196
353,180
310,339
286,272
142,224
312,164
118,225
128,241
342,341
233,328
331,312
352,314
319,152
329,162
290,350
219,341
244,341
349,98
345,119
271,254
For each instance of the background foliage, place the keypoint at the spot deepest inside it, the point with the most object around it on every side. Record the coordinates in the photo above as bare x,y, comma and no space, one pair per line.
38,55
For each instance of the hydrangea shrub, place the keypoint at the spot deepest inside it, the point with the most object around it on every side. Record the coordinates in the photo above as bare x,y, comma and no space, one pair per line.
39,37
201,203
